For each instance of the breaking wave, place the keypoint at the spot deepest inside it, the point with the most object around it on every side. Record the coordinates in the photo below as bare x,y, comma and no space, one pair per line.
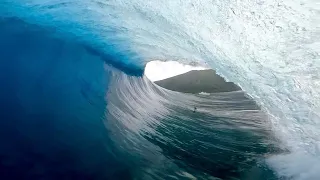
75,103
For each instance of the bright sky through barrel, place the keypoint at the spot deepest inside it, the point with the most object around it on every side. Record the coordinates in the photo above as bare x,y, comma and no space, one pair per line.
158,70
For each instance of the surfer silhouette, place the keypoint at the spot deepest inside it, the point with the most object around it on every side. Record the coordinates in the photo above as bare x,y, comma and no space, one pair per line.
194,110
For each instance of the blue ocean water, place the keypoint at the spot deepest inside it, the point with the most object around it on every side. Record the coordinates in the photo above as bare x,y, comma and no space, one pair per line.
52,107
74,103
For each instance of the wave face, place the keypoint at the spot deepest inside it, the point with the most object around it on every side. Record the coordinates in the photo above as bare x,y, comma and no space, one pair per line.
74,103
66,114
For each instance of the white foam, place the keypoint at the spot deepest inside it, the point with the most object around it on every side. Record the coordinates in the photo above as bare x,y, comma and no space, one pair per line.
270,48
204,93
158,70
295,166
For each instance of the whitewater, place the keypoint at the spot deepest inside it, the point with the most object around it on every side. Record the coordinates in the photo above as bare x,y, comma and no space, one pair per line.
271,49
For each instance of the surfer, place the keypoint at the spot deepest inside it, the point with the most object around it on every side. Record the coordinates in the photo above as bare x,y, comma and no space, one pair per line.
194,110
